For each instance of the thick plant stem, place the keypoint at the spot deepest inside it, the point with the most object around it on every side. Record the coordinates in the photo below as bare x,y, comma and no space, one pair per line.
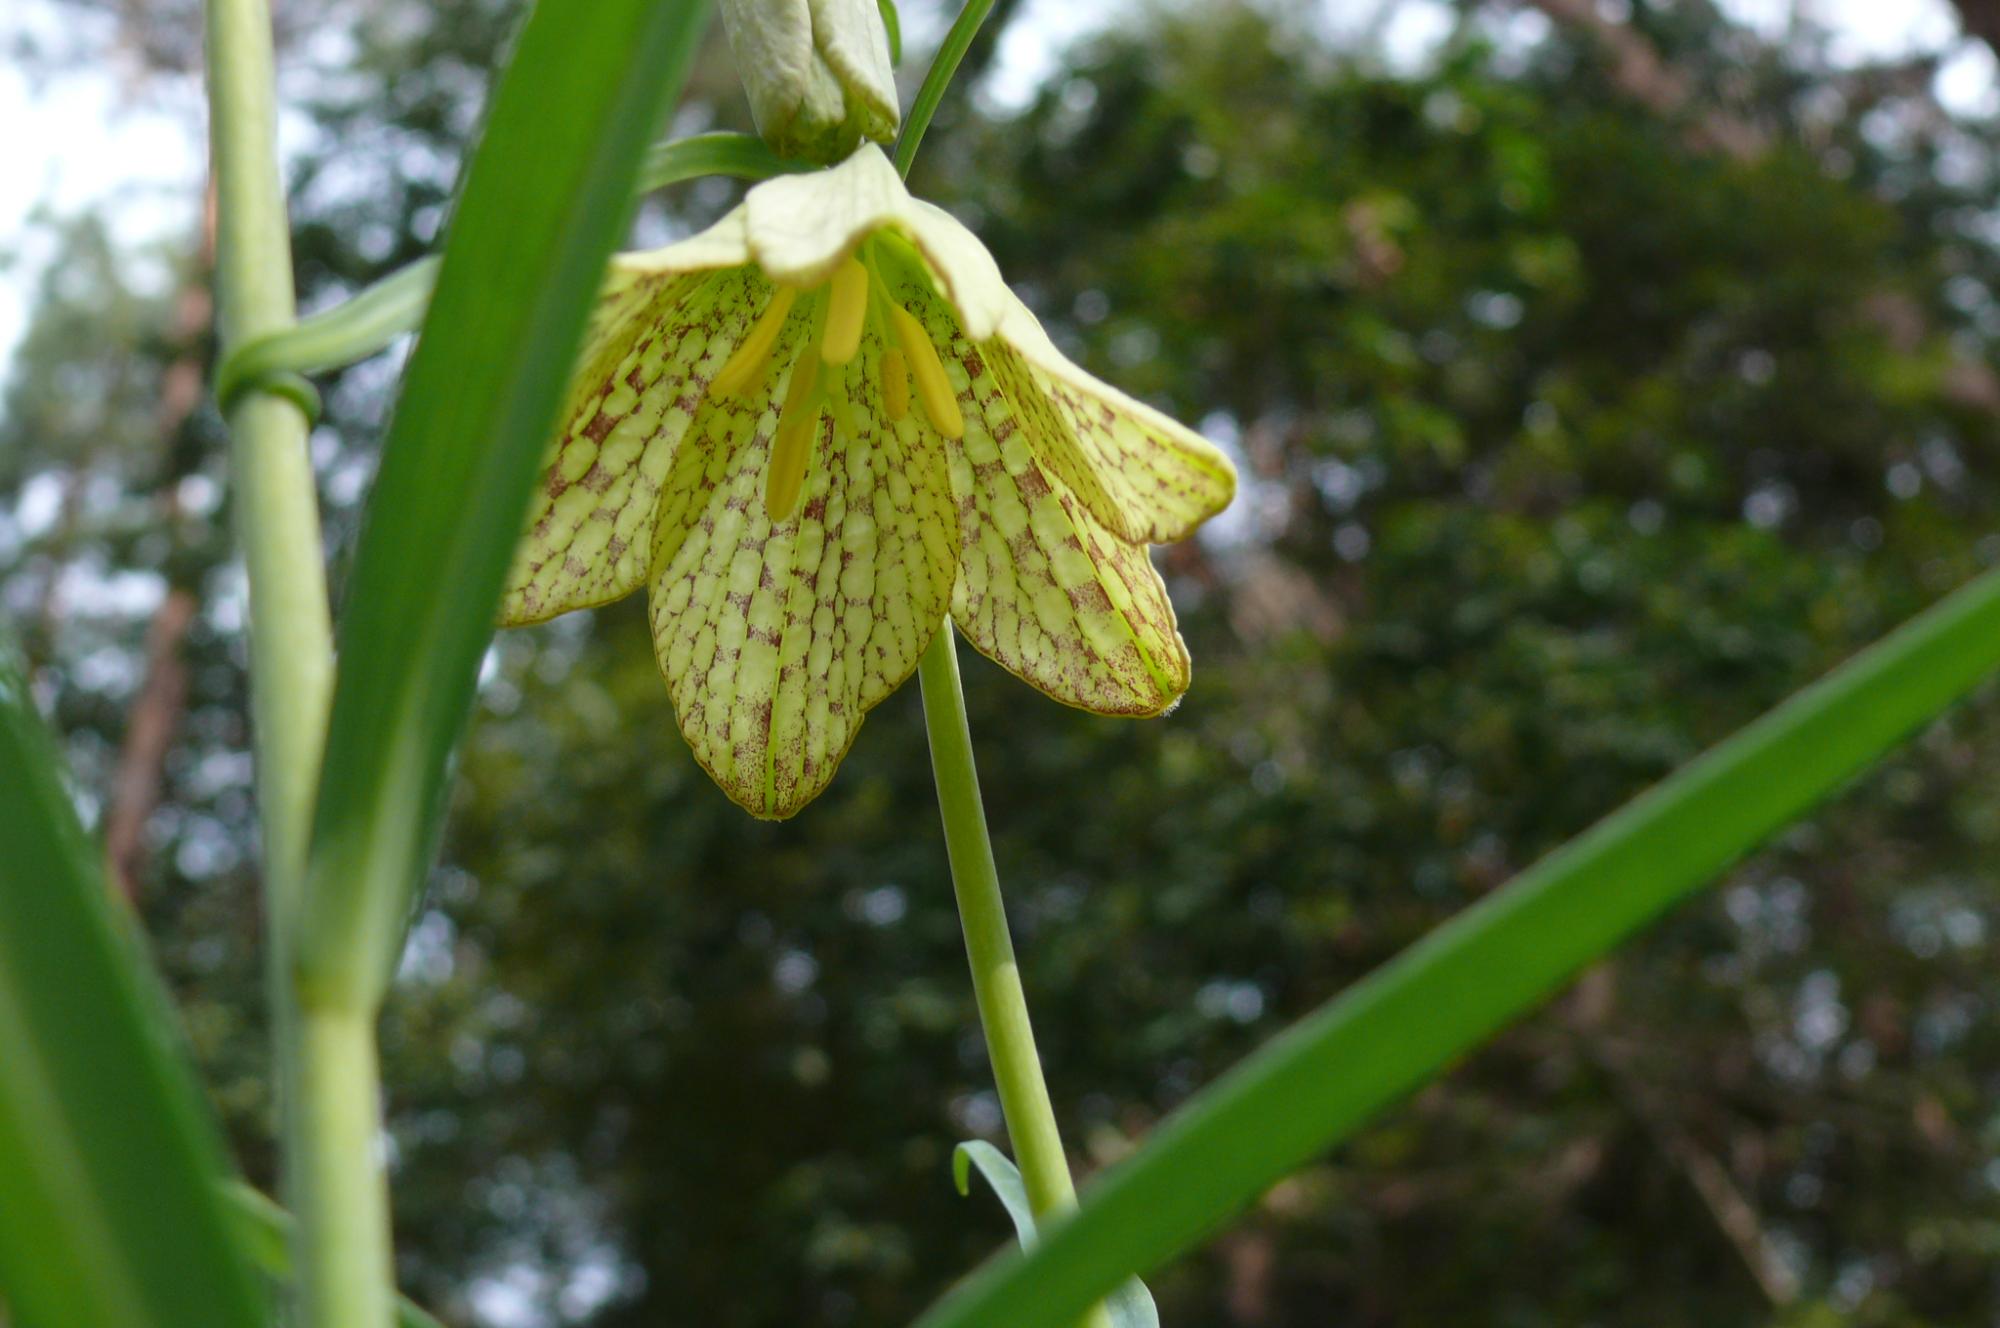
291,664
996,977
348,1280
291,637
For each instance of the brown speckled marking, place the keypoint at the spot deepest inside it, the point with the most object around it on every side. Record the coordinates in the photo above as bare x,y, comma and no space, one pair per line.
775,640
1045,588
652,346
1144,477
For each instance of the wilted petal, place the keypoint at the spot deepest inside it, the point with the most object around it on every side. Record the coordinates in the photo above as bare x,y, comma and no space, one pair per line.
657,338
775,640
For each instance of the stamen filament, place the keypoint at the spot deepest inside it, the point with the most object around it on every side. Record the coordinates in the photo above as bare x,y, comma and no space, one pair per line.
747,365
833,390
785,474
933,389
895,384
844,314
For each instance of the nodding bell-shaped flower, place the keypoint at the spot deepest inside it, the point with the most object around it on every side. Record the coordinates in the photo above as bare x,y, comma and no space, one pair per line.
817,72
817,428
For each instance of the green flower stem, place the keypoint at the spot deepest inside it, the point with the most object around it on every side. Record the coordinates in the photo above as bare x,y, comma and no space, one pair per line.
957,41
338,1194
996,977
348,1282
291,635
265,1232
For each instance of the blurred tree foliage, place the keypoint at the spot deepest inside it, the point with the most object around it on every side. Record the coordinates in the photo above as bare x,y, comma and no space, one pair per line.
1574,435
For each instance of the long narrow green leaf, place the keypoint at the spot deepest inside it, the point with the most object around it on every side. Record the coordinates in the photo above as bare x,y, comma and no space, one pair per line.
1130,1306
357,328
1315,1084
350,331
742,156
109,1216
1005,1178
892,23
548,194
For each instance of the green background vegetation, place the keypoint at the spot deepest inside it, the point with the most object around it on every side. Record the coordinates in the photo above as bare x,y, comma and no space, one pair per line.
1576,431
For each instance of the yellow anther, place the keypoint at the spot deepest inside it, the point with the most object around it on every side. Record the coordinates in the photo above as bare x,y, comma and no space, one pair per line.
895,384
747,365
786,473
844,312
940,403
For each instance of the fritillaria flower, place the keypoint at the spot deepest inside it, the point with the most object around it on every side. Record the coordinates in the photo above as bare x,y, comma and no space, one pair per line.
818,428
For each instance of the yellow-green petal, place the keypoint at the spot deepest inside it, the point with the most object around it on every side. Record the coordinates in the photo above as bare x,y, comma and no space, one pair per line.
654,343
799,228
725,244
1045,588
1149,478
775,639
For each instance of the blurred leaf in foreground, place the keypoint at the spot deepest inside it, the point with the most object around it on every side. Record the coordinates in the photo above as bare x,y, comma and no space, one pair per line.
108,1163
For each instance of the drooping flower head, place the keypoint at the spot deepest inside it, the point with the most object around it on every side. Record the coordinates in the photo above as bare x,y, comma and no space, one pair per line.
818,427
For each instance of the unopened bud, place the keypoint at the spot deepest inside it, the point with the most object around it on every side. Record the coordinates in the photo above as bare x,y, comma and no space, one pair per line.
817,72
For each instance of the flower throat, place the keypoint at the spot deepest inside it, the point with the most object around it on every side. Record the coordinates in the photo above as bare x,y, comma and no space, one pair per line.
853,299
